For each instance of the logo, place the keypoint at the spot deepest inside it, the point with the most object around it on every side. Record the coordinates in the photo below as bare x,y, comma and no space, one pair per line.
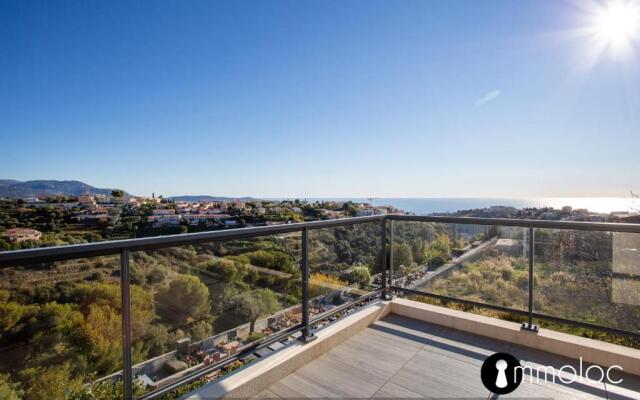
501,373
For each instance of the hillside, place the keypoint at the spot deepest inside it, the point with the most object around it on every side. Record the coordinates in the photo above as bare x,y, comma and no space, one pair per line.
18,189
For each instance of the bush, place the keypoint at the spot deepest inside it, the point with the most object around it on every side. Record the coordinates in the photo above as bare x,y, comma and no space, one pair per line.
97,276
255,336
8,389
173,366
156,276
200,330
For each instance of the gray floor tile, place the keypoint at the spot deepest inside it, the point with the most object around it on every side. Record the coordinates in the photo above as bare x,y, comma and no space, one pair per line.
437,376
460,345
629,388
392,338
330,373
393,391
298,386
373,354
528,390
403,358
266,394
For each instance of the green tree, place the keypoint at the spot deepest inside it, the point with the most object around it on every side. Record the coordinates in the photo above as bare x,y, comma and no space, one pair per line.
255,304
142,312
438,251
10,315
229,269
200,330
54,382
117,193
183,301
103,328
270,259
361,275
57,336
418,251
402,255
156,342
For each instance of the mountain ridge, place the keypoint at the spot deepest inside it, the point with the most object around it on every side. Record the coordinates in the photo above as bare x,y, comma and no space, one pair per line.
15,189
11,188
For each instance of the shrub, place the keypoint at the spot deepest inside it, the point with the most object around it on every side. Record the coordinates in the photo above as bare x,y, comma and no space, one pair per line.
97,276
255,336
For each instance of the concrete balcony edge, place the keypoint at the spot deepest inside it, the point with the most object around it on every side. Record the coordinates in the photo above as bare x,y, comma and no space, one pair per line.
257,377
563,344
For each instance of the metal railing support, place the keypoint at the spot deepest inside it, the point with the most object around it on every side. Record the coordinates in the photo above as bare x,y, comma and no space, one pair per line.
383,259
125,292
307,335
391,234
529,326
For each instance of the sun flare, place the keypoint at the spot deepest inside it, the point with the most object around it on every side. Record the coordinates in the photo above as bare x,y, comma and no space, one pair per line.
618,22
607,29
615,25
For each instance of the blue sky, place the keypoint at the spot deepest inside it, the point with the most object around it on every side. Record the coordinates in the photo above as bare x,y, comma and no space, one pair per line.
328,98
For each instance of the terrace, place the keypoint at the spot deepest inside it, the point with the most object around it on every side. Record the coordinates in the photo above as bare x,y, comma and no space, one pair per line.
400,357
514,286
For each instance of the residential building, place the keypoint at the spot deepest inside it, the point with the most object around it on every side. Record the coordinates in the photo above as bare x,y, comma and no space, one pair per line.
19,235
87,200
365,213
163,211
165,219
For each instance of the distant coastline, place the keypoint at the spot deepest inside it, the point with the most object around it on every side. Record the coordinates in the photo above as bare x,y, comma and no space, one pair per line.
425,206
13,189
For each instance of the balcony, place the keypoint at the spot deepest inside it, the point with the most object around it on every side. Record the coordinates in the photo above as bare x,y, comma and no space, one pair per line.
339,308
399,357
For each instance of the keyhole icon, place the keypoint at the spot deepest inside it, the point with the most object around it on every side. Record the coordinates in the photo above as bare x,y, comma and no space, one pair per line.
501,379
501,373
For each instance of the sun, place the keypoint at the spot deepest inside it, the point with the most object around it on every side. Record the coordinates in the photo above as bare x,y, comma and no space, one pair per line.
618,23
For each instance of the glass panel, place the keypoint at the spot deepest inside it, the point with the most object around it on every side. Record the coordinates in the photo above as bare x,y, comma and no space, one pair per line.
211,300
588,276
344,264
486,264
60,329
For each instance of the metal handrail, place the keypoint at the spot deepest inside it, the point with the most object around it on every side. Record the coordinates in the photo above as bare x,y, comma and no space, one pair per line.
74,251
524,223
68,252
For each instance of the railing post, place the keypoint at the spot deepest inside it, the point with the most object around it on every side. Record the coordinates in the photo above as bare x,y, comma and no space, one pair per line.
529,326
383,258
127,370
391,252
307,336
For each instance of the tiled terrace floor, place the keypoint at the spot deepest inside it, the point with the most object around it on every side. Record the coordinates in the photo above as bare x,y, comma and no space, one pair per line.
404,358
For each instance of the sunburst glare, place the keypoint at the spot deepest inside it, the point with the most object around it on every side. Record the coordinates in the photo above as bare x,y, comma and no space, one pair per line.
614,28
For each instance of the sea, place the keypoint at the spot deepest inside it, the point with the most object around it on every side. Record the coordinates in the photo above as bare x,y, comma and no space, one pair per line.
426,206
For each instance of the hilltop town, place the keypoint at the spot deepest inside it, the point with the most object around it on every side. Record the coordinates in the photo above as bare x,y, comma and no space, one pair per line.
57,220
48,220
